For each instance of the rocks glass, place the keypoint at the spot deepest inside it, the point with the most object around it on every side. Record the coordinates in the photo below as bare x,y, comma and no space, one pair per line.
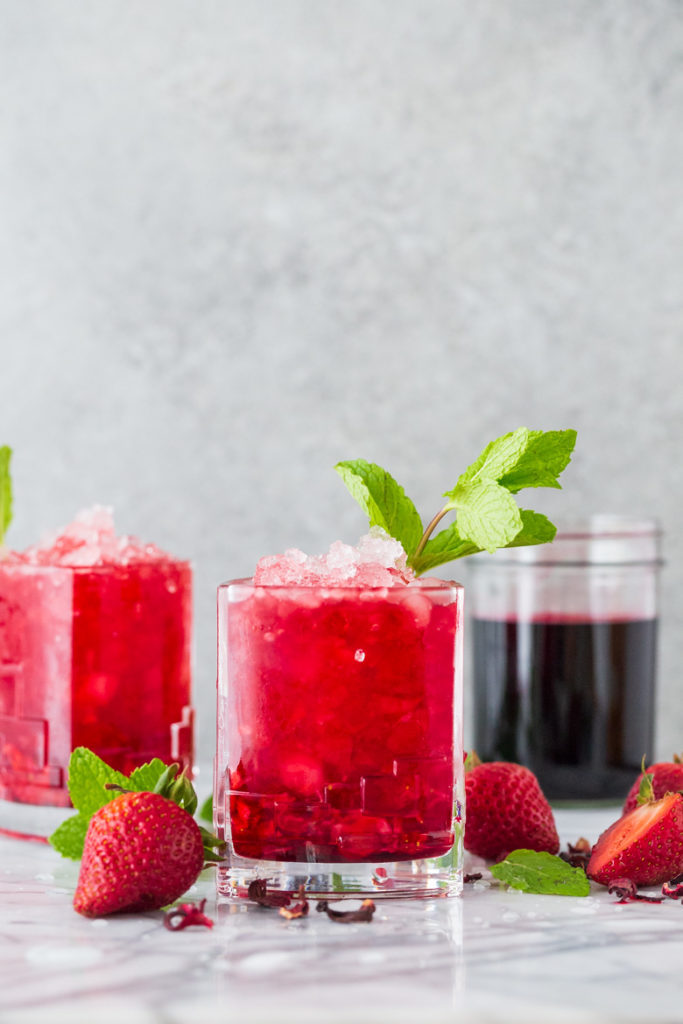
95,656
339,754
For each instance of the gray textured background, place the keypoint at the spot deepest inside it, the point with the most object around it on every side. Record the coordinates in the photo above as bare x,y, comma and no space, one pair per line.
243,241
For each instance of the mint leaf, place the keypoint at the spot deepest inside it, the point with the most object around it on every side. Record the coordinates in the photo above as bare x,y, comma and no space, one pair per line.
544,458
541,873
69,837
88,775
145,778
5,490
206,810
536,529
383,500
499,457
488,515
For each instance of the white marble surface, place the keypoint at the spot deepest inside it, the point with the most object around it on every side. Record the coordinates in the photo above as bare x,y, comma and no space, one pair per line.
491,956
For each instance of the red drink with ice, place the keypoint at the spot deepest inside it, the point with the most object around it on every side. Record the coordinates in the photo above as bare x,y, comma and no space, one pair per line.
339,732
95,636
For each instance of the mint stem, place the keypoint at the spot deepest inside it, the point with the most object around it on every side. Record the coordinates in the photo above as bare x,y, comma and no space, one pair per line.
430,529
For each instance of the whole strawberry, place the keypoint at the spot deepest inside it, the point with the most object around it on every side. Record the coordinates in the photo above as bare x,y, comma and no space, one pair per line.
505,810
141,852
645,845
667,777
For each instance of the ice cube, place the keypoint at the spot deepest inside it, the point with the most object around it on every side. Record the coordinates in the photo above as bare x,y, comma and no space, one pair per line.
378,547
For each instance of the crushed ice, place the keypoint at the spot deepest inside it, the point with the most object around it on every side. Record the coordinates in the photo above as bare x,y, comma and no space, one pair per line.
376,561
90,540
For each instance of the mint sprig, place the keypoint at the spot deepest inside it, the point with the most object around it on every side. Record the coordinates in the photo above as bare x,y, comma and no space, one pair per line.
488,516
5,490
542,874
93,783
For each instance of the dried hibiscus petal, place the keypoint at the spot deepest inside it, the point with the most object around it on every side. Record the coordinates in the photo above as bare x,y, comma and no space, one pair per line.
258,892
474,877
627,891
186,915
299,909
363,913
674,888
577,854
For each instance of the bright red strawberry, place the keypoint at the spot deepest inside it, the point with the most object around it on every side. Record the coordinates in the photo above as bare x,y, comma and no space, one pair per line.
667,777
141,852
644,845
506,810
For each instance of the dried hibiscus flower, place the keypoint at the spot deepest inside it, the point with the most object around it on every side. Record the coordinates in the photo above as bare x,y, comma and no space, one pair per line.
674,888
299,909
627,891
577,854
258,892
186,915
363,913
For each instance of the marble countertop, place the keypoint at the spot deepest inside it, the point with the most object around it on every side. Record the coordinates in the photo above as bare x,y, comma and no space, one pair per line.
491,956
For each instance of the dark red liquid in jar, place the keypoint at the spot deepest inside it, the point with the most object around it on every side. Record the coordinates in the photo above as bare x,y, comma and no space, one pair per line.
340,715
95,657
570,698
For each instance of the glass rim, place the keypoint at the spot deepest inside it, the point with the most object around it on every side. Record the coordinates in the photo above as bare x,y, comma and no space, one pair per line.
32,567
418,584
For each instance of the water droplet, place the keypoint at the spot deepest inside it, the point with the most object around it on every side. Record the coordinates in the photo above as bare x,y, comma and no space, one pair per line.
359,655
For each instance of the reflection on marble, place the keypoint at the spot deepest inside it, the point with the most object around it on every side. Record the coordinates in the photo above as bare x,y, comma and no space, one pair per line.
493,955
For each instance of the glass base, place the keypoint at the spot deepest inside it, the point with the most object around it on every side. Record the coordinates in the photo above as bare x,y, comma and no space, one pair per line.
30,821
412,879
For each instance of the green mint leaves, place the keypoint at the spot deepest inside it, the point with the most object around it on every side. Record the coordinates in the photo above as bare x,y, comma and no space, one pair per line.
5,490
92,784
488,516
542,874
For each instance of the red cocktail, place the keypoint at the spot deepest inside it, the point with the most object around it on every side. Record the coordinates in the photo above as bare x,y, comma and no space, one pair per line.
95,636
339,733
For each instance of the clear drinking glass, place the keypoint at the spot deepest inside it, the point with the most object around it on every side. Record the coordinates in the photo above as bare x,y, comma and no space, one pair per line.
563,641
96,657
339,753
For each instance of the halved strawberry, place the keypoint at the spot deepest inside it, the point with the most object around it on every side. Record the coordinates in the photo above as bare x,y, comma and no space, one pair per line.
644,845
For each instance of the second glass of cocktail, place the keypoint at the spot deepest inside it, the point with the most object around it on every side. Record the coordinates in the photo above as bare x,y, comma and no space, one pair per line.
339,762
339,766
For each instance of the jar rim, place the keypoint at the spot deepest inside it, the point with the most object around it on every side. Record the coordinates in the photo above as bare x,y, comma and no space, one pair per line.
607,540
607,525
